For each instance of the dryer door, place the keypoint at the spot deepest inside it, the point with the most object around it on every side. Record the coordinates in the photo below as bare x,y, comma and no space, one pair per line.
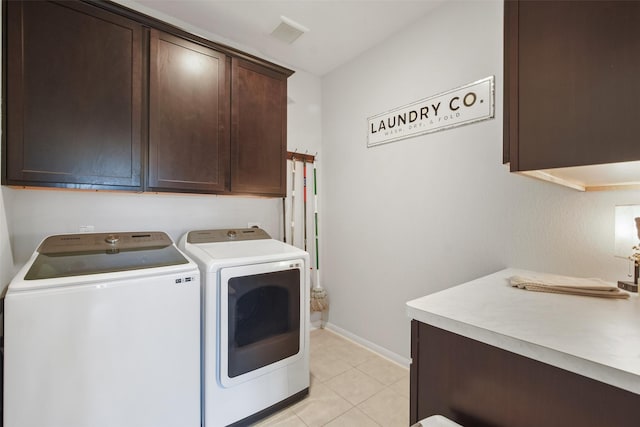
261,319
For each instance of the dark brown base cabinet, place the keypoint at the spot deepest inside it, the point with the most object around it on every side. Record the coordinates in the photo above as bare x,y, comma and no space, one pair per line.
101,97
571,83
476,384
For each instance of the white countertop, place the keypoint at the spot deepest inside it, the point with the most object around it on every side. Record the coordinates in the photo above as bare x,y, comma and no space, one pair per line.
598,338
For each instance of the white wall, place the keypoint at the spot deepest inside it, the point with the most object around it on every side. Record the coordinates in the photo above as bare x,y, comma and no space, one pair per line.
34,214
412,217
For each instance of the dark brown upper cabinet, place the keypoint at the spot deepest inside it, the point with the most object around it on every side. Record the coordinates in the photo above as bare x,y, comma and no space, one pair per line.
258,129
572,96
99,96
73,96
188,116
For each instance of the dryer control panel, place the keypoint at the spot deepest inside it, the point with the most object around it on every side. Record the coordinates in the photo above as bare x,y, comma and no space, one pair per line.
226,235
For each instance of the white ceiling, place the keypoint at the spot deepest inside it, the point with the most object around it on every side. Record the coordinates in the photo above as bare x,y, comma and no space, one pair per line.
340,30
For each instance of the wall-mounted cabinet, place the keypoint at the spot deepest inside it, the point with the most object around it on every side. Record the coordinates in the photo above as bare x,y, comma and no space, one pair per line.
188,116
258,129
572,98
73,100
101,97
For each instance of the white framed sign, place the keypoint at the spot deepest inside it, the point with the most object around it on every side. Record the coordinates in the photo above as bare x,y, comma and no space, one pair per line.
460,106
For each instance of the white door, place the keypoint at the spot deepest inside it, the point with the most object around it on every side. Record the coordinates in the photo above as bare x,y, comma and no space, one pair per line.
261,319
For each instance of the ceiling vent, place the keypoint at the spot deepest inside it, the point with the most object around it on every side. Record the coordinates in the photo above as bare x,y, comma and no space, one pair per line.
288,31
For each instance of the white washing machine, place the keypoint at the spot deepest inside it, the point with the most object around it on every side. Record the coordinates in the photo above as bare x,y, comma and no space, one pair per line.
103,330
255,314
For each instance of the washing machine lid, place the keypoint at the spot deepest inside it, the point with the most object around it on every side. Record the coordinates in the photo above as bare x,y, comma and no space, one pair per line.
72,255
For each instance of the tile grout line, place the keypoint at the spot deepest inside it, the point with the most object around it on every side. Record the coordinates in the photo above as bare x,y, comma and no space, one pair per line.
335,341
330,339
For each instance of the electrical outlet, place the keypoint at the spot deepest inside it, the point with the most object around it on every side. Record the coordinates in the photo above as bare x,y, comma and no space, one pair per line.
253,225
86,229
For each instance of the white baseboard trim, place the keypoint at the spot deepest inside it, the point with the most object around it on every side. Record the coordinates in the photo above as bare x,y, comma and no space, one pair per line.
394,357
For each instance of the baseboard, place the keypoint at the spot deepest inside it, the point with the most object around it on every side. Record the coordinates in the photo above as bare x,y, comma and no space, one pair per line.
394,357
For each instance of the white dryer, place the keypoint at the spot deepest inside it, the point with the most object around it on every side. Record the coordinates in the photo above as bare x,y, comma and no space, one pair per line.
103,330
255,314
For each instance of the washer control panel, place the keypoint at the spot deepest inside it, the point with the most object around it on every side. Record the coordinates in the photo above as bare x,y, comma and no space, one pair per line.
87,242
226,235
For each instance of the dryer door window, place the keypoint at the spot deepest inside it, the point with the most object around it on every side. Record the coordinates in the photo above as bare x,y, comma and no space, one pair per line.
261,315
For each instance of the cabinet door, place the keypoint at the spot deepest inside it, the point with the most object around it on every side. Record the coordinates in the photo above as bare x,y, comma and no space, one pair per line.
188,116
73,96
476,384
258,129
571,83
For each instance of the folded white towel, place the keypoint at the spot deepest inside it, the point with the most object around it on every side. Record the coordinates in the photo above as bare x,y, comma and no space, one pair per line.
567,285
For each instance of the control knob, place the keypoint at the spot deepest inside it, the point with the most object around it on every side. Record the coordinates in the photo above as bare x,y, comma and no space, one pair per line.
112,239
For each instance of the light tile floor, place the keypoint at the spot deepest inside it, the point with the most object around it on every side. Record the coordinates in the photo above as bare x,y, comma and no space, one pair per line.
350,387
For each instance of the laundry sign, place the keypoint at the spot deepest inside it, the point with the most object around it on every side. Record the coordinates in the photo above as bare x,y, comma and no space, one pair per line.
460,106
